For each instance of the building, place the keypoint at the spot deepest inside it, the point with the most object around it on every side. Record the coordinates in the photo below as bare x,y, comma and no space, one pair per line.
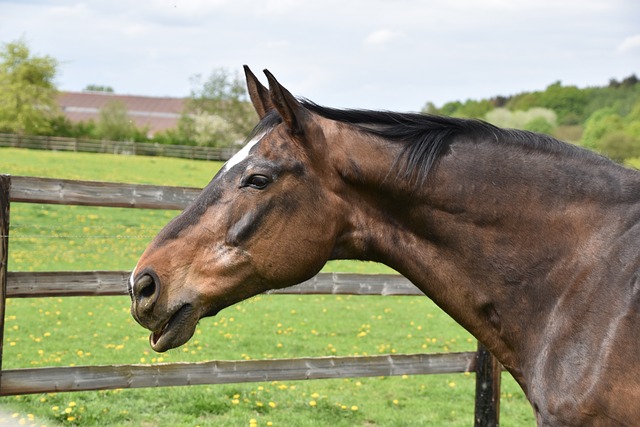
155,114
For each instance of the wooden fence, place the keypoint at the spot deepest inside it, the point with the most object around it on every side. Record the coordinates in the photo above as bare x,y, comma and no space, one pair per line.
99,283
115,147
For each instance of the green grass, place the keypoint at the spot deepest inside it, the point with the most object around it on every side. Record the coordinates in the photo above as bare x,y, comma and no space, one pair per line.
99,331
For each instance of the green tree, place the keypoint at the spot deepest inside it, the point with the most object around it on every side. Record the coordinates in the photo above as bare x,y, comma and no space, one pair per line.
27,90
615,135
568,102
114,123
217,112
600,123
535,119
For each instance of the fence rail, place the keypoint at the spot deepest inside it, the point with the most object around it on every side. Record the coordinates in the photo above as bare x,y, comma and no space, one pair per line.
109,283
83,378
101,283
57,143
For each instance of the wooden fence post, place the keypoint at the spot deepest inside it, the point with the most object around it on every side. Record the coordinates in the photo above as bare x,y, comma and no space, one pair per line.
488,372
5,186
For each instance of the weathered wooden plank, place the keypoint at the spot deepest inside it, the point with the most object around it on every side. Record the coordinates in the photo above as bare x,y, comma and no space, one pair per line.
66,283
102,283
59,379
94,193
353,284
5,186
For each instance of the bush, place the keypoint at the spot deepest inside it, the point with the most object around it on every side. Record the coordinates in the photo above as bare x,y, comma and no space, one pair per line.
539,124
619,146
534,119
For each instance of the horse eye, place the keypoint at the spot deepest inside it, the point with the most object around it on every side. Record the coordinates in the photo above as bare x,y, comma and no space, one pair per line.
257,181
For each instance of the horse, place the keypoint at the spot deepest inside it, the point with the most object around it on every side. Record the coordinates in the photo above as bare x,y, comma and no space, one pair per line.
530,243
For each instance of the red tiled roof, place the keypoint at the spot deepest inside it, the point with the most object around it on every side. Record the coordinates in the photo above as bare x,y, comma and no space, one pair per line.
157,114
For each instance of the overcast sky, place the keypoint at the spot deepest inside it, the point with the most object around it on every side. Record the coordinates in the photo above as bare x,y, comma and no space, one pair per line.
377,54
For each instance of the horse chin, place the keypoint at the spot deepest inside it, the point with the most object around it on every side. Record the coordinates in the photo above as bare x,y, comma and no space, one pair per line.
176,331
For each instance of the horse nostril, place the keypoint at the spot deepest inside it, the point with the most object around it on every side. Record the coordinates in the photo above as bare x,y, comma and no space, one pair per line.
144,287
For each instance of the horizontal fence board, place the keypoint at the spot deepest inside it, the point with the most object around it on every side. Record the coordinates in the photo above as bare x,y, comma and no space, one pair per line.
59,379
105,283
353,284
116,147
95,193
66,283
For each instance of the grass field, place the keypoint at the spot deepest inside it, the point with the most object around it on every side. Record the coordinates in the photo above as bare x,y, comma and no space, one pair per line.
97,331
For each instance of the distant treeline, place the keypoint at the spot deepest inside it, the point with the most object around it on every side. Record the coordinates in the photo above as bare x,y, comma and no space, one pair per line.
606,119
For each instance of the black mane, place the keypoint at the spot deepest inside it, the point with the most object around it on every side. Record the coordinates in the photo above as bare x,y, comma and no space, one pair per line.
426,137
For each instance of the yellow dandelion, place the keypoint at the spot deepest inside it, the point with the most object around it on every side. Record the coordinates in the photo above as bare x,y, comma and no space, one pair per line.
354,408
272,404
312,403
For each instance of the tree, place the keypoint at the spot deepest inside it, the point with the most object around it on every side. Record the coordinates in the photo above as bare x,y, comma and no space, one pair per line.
27,90
217,112
614,135
114,123
535,119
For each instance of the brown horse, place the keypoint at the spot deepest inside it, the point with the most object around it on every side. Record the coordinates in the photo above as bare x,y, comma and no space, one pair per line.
530,243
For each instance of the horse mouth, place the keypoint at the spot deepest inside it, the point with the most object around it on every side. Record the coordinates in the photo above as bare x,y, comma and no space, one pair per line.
176,331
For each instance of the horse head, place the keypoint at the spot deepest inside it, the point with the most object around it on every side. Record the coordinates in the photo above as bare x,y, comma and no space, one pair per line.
263,222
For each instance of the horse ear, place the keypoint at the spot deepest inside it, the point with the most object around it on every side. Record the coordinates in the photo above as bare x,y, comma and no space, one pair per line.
259,94
290,109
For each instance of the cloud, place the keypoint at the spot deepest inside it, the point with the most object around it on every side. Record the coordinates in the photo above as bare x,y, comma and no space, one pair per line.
629,44
382,37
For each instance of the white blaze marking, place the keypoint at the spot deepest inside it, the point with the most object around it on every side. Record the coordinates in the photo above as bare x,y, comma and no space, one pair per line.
242,154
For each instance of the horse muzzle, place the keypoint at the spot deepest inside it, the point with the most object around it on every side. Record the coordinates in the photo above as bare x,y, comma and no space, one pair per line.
170,327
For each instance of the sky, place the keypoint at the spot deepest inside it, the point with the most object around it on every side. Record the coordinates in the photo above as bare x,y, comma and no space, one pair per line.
375,54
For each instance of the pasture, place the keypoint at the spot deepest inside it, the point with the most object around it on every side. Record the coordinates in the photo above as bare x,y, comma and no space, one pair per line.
91,331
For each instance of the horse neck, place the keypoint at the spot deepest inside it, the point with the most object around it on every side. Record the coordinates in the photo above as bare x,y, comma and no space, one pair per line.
494,237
